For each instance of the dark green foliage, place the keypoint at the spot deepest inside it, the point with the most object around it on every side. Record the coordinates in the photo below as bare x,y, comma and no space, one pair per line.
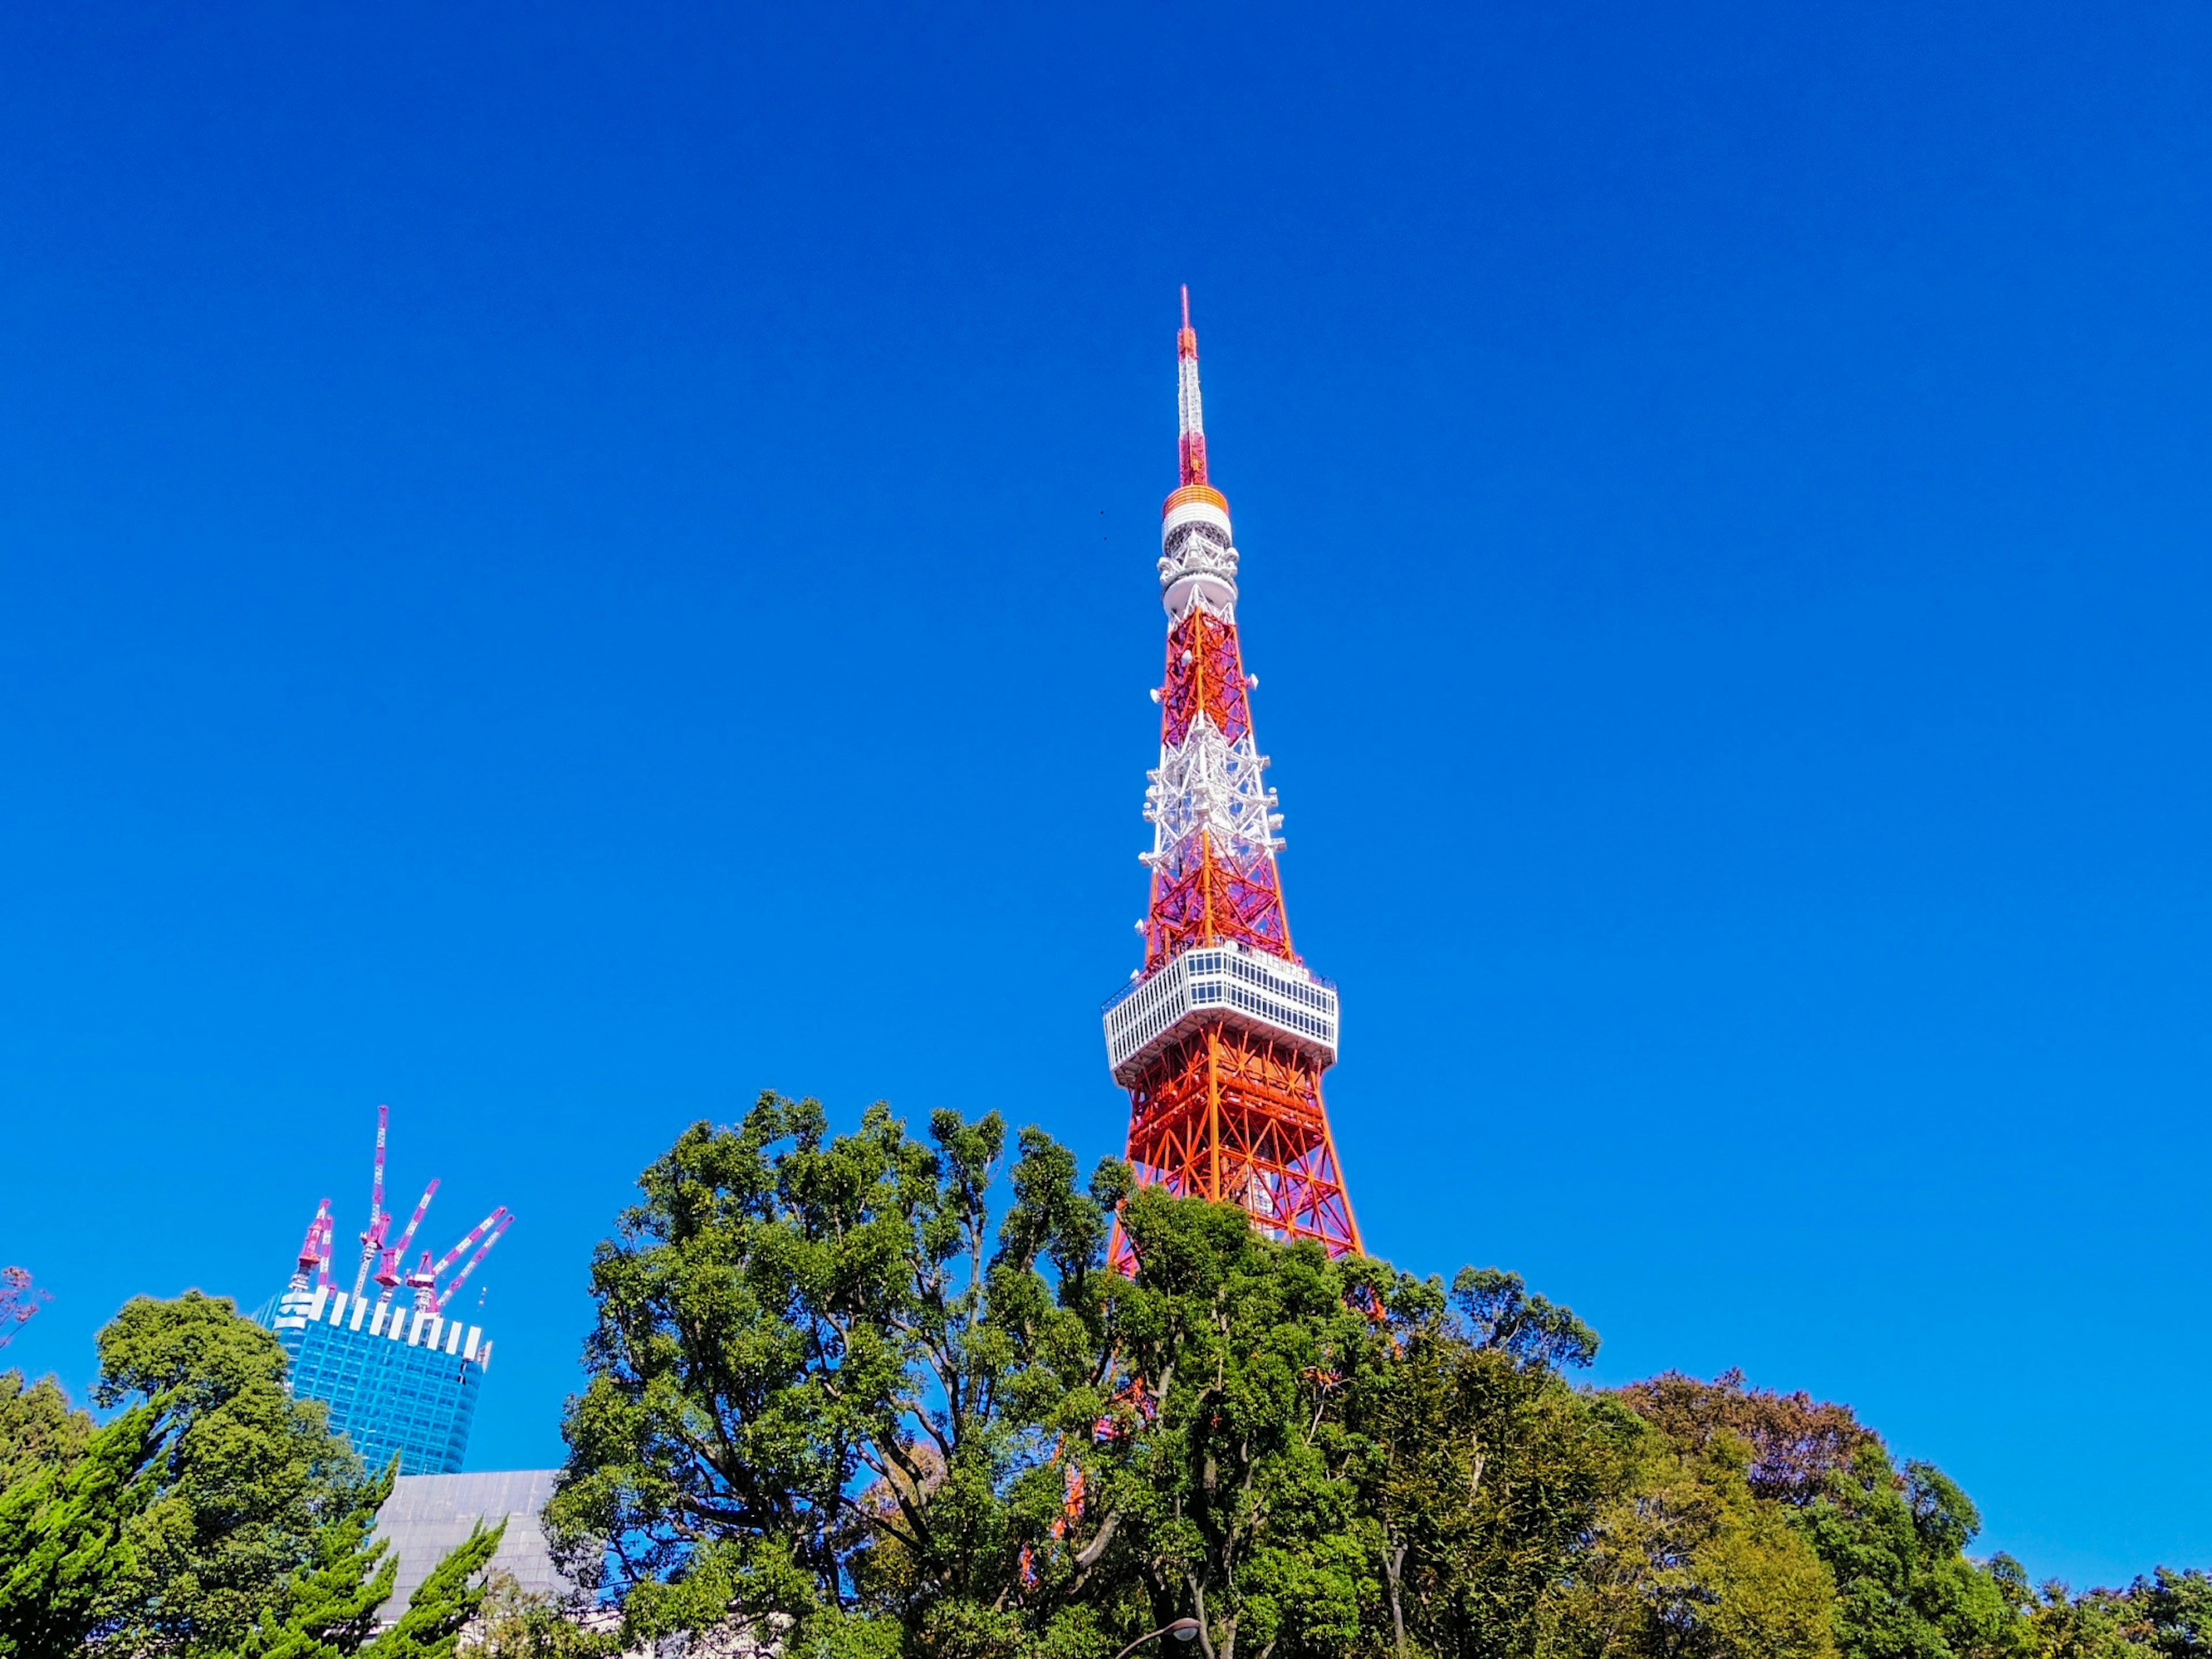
1479,1471
838,1406
1234,1497
443,1603
64,1543
1905,1587
823,1390
833,1405
2178,1608
38,1428
1502,1314
831,1401
241,1475
213,1515
329,1604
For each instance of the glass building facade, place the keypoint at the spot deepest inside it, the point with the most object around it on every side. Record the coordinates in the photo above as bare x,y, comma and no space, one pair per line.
396,1379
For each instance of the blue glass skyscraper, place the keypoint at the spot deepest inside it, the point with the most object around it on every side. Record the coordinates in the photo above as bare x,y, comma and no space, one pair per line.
397,1379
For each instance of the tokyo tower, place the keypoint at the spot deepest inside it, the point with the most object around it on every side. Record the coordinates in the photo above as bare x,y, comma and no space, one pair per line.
1222,1033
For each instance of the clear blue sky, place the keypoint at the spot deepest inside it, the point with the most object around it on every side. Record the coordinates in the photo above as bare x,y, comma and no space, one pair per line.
563,568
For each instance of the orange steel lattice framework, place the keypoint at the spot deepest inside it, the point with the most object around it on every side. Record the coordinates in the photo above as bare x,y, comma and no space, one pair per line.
1223,1035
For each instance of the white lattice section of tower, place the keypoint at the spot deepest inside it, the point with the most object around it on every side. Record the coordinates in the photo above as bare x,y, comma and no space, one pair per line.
1205,782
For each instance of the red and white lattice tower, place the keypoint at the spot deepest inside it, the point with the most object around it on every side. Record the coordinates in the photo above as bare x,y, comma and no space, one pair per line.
1222,1035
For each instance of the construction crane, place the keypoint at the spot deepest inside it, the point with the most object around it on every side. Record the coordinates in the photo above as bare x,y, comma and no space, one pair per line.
311,1247
381,1260
371,1238
423,1281
388,1267
505,1217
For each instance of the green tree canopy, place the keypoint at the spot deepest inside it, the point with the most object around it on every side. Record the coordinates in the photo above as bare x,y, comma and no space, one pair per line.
65,1542
241,1477
445,1601
330,1602
1480,1472
213,1515
833,1395
1796,1445
38,1427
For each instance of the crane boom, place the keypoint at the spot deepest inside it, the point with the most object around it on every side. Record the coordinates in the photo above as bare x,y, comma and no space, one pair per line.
387,1269
371,1238
383,1259
467,1240
506,1219
424,1279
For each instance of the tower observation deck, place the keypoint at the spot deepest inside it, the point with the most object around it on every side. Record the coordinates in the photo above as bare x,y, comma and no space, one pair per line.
1222,1033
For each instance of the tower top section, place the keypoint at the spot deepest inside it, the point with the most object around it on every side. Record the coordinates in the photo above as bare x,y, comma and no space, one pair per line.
1197,554
1192,438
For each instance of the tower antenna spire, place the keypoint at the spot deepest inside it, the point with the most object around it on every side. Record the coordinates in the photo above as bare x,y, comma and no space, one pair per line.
1190,415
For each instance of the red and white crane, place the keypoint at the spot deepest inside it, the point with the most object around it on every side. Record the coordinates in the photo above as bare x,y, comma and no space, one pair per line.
423,1281
311,1247
379,1220
381,1260
506,1218
388,1267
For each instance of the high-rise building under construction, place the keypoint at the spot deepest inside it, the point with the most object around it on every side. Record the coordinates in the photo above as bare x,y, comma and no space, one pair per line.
398,1378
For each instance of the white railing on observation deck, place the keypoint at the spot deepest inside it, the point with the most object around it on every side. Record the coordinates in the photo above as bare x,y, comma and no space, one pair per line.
1251,988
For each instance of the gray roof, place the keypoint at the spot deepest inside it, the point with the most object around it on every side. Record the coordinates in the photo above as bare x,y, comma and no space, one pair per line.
427,1515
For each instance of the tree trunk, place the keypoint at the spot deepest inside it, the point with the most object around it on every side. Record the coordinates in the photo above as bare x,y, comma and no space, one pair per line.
1393,1566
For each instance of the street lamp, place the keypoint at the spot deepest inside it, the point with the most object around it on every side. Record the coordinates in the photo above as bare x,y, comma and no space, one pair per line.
1184,1630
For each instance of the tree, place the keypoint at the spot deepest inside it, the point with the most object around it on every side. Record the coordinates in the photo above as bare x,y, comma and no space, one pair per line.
823,1389
518,1624
1893,1539
64,1538
1236,1502
1895,1542
2178,1607
330,1603
1504,1315
2099,1624
443,1603
1480,1470
241,1477
1796,1443
2164,1616
836,1400
38,1428
1686,1562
